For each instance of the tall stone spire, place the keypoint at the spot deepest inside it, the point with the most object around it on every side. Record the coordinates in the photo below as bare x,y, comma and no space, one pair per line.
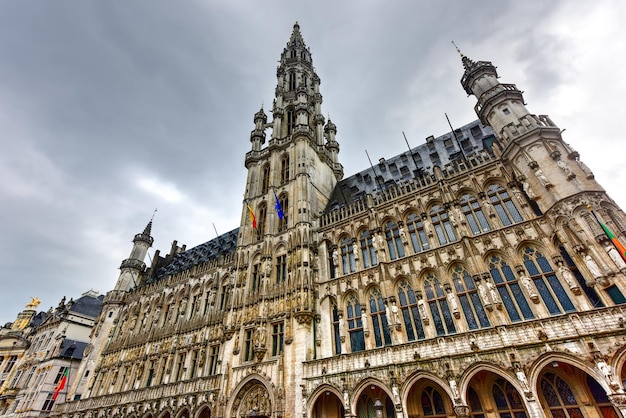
133,267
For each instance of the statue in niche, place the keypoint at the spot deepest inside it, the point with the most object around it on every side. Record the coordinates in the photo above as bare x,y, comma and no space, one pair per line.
335,258
529,192
259,337
563,166
615,256
542,178
567,275
493,292
528,285
593,267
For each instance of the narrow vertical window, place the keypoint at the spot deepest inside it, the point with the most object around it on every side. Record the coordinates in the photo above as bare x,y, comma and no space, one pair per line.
355,324
550,288
278,337
474,215
265,178
471,304
411,313
417,233
509,290
213,359
347,256
443,226
256,277
368,253
378,313
504,206
281,268
394,243
291,121
284,206
284,169
438,304
260,220
248,346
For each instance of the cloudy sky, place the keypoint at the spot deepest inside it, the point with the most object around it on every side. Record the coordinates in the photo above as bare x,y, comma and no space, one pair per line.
109,110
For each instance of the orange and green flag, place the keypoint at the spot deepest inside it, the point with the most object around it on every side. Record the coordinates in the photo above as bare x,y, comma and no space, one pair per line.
61,384
616,242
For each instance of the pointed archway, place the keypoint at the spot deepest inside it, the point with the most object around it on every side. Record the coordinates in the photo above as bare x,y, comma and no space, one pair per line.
426,398
252,400
328,405
205,412
567,391
373,402
489,391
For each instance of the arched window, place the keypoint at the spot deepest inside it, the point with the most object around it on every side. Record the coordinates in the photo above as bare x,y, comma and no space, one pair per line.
471,305
546,282
603,403
260,220
476,408
355,324
292,76
378,313
438,304
347,256
291,121
281,268
410,312
559,397
507,400
394,243
443,226
265,178
474,215
432,403
284,207
284,169
336,330
509,290
368,253
504,206
417,233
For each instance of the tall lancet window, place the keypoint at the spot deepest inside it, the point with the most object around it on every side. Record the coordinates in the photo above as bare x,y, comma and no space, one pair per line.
336,330
548,285
508,289
412,313
355,324
284,206
474,215
368,253
265,178
379,315
443,226
284,169
417,233
471,305
292,78
394,243
260,220
291,121
347,256
438,304
504,206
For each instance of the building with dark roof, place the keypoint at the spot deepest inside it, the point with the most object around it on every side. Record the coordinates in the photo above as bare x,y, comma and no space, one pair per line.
472,276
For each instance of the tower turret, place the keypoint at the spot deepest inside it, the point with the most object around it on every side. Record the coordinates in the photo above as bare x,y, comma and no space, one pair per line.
257,136
133,267
531,144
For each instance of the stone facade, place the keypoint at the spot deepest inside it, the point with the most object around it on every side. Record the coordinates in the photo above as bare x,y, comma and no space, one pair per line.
468,277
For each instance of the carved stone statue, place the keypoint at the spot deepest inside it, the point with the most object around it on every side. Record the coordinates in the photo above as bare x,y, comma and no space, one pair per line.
452,301
567,275
421,307
593,267
563,166
493,292
614,254
335,258
259,337
528,285
483,293
529,192
394,313
542,178
521,376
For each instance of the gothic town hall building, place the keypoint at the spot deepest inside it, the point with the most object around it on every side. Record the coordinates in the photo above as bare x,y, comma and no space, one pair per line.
473,276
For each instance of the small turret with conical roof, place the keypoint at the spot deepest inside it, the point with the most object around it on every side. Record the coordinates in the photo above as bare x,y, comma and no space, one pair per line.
133,267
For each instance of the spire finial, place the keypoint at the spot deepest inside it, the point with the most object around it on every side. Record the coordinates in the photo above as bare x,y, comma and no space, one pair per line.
153,213
457,49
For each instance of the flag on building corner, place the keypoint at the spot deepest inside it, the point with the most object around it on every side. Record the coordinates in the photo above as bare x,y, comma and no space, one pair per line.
61,384
616,242
252,217
279,208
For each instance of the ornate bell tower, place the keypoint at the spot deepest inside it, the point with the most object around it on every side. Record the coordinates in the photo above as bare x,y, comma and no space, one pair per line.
272,311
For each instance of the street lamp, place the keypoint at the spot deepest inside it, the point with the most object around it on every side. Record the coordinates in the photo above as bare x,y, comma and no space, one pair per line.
378,406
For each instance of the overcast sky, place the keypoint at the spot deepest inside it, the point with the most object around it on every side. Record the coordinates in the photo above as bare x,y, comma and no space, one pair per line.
109,110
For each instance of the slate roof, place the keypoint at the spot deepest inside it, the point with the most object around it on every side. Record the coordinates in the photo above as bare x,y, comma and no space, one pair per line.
210,250
441,151
73,349
87,305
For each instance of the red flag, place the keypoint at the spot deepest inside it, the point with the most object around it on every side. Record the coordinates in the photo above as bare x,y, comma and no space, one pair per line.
61,384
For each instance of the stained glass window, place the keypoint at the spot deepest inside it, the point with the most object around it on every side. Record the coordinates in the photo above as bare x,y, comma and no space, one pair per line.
355,324
347,256
432,403
443,226
394,243
509,290
548,285
410,312
508,401
471,304
417,233
504,206
474,215
438,304
378,314
368,253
